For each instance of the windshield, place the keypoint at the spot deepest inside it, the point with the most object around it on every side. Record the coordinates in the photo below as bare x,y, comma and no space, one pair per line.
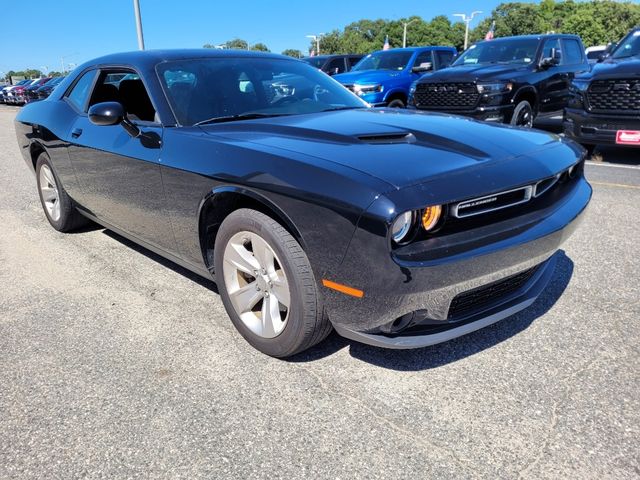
521,51
204,90
385,60
629,47
317,62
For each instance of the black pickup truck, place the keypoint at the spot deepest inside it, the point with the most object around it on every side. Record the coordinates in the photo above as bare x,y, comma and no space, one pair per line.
605,103
509,80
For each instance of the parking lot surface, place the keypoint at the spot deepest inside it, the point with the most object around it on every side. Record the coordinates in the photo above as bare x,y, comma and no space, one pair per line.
117,364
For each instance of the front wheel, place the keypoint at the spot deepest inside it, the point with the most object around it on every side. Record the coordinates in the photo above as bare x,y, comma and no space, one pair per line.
523,115
397,103
267,285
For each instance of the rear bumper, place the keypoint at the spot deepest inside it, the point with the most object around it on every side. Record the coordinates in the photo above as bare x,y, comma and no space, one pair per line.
591,129
421,293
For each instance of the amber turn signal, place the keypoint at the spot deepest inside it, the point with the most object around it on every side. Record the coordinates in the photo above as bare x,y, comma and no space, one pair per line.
430,217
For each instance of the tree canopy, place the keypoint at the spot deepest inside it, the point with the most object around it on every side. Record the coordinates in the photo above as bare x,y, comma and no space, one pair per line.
239,44
596,21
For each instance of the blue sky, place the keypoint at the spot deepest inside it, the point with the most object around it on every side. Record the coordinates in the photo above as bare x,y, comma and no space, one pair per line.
82,29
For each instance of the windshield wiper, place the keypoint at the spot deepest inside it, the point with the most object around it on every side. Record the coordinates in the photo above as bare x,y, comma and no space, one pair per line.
241,116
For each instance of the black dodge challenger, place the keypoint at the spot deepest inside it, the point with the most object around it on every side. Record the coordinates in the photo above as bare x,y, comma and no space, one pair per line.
310,209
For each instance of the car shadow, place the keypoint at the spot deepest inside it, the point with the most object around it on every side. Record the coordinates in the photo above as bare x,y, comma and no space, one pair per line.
448,352
208,284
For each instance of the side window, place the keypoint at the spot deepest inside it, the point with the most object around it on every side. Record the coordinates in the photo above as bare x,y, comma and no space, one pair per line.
335,66
78,95
124,87
423,59
445,57
353,61
549,45
572,52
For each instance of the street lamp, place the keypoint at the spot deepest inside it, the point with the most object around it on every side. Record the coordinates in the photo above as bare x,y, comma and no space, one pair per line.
316,38
404,33
467,21
136,10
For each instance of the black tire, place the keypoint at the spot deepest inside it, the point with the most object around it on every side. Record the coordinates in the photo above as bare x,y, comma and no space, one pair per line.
523,115
396,103
69,219
306,324
590,150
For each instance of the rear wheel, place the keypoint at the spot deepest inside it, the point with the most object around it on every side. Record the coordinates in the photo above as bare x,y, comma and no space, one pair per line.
57,205
267,285
523,115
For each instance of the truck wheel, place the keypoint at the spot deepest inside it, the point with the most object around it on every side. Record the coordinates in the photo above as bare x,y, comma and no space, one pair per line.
397,103
267,285
523,115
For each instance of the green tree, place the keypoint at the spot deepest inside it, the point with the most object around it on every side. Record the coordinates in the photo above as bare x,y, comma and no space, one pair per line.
292,52
237,44
260,47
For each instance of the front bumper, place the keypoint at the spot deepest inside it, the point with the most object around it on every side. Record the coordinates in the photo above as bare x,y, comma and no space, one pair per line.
592,129
498,114
395,289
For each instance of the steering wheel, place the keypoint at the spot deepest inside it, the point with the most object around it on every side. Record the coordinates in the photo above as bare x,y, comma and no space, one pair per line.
318,91
285,100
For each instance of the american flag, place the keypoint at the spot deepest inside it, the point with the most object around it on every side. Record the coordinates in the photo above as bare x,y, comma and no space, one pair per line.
490,33
386,43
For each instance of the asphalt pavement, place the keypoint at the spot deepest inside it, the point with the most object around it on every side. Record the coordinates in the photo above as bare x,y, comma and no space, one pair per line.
115,363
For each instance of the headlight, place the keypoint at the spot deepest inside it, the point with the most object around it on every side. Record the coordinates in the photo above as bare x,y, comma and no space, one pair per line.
431,216
402,226
580,85
494,88
412,88
365,89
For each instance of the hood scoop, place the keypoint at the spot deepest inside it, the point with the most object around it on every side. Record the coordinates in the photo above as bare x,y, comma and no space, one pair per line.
388,138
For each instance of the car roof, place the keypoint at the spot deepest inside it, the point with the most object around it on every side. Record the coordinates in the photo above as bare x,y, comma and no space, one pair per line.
541,36
149,58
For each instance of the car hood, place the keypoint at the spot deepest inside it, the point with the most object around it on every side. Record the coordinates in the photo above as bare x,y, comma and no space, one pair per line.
612,68
472,73
367,77
405,148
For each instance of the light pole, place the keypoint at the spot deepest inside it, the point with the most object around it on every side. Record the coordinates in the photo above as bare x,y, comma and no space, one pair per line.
136,9
62,60
404,33
316,38
467,21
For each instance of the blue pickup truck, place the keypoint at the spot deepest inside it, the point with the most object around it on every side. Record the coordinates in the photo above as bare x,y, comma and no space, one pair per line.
383,78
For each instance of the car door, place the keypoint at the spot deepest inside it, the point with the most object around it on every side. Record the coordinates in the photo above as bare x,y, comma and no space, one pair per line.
119,175
554,88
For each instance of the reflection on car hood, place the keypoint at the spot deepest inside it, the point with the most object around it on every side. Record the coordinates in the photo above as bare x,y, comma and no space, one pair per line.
367,77
404,148
623,67
471,73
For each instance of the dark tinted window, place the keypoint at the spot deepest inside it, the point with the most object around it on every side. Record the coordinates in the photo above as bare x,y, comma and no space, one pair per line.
572,52
126,88
520,50
353,61
80,92
335,66
423,59
317,62
445,57
595,54
224,88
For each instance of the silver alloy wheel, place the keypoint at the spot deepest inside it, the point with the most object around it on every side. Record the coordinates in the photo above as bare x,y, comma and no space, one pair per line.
256,284
49,191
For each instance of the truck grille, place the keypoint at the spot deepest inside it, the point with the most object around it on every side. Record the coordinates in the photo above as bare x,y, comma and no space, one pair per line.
474,300
440,96
614,96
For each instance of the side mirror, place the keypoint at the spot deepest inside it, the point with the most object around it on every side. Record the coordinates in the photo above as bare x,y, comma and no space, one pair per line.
112,113
106,113
553,60
423,67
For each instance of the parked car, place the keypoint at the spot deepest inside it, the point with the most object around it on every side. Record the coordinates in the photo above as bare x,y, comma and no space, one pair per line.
510,80
45,90
4,93
30,92
333,64
309,208
596,53
16,96
605,102
383,78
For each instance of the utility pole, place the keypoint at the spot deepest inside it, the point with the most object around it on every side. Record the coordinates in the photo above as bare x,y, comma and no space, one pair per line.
404,33
467,21
316,38
136,9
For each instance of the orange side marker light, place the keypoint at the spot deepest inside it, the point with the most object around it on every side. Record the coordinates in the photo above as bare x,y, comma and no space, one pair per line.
354,292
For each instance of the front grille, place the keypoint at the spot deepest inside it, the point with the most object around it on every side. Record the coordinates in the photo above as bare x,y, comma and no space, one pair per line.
614,96
483,296
440,96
